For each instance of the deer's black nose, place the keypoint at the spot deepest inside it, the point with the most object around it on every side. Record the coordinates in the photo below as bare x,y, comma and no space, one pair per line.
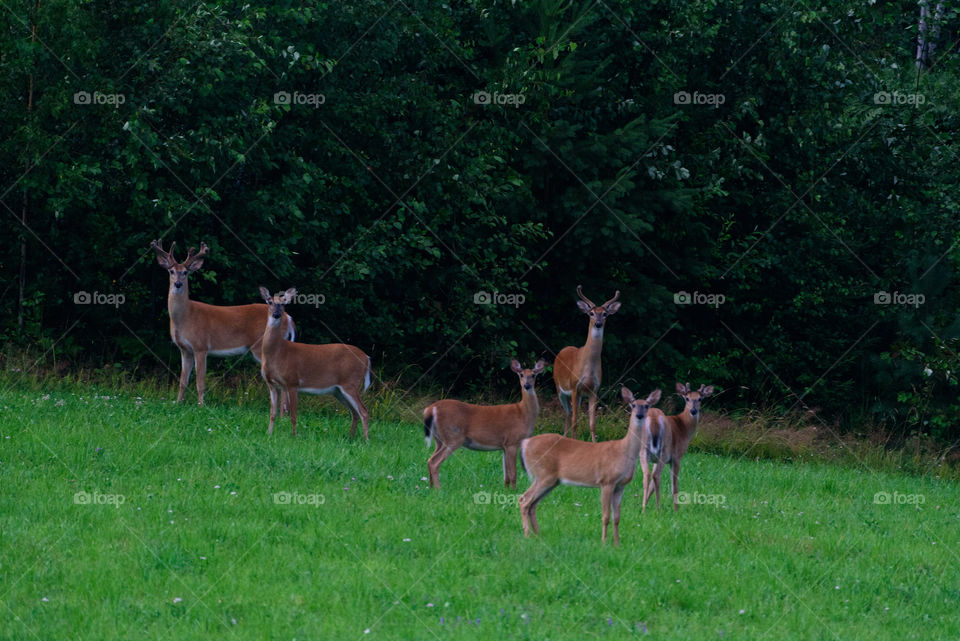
276,314
178,284
693,412
598,324
528,386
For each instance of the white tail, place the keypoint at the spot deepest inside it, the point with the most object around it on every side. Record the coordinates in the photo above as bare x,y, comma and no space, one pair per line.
483,427
337,369
577,371
667,439
551,459
199,329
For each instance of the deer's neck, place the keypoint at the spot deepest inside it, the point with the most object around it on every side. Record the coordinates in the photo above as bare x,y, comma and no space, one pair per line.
529,405
632,442
590,352
685,425
178,304
273,334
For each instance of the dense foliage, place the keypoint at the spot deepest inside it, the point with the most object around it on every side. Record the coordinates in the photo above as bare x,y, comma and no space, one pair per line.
397,158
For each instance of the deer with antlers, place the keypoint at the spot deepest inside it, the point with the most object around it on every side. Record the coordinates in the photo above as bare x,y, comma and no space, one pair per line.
202,330
455,424
288,368
667,438
551,459
576,370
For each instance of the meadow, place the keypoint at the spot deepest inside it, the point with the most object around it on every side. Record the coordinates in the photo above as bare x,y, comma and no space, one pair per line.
126,516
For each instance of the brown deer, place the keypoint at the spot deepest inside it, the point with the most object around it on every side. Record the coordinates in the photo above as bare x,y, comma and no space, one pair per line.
288,368
455,424
576,370
551,459
667,439
199,329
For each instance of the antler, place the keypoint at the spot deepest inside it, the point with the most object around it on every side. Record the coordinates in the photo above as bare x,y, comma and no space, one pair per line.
191,257
584,298
615,297
157,246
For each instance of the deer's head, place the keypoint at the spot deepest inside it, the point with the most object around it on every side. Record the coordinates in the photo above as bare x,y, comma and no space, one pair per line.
179,271
639,406
598,313
693,398
528,376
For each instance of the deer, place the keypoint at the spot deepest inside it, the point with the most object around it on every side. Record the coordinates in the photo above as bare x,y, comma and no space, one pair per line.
456,424
576,370
552,459
667,439
288,368
200,330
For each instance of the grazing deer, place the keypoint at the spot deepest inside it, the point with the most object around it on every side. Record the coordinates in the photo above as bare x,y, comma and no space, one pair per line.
667,439
287,367
576,370
484,427
551,459
199,329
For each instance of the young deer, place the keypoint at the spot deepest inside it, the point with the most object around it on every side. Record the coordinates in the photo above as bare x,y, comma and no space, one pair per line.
483,427
576,370
199,329
666,439
287,367
551,459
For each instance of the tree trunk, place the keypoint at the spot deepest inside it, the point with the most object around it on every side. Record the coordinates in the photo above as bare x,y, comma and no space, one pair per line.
928,30
22,278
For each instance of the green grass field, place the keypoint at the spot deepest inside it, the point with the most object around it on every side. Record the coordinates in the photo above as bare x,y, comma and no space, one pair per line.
177,534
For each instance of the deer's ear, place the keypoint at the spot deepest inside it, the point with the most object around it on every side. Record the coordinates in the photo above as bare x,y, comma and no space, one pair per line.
682,389
540,366
195,265
289,295
654,397
266,294
706,391
626,395
583,307
515,366
612,308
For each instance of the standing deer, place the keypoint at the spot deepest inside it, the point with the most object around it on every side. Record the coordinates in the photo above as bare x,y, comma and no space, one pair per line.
288,368
667,440
483,427
576,370
199,329
551,459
